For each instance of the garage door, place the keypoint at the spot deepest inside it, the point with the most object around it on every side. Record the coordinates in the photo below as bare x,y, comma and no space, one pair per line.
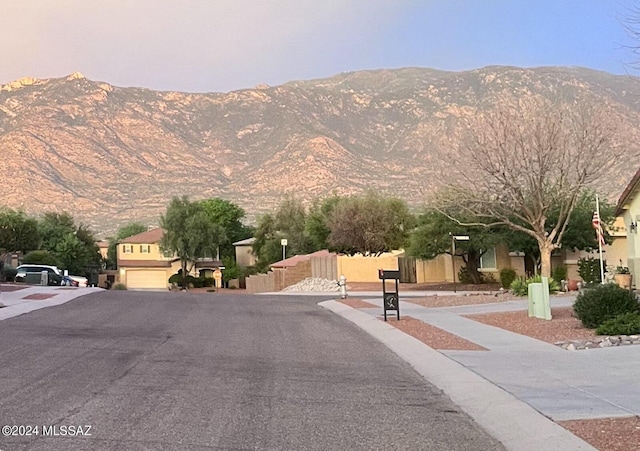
147,279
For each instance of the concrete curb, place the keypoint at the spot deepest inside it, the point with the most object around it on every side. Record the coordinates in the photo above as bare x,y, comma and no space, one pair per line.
516,424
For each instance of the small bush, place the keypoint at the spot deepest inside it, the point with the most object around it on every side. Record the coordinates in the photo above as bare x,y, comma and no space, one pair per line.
520,286
589,269
595,305
176,279
559,273
627,324
8,273
119,286
208,282
507,276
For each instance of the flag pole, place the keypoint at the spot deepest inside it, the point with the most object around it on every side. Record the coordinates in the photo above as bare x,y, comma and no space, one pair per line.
600,234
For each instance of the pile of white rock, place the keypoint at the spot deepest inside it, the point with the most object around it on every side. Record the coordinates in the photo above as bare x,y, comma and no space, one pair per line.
600,342
314,284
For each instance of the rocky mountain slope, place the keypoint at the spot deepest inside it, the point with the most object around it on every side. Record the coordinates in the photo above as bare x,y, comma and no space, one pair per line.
112,155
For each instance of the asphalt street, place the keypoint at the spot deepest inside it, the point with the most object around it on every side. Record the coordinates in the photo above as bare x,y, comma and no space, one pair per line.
182,371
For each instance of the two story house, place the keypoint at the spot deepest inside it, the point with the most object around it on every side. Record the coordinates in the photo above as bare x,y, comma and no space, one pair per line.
141,263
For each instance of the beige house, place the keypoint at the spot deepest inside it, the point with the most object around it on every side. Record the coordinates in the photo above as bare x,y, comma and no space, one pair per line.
141,263
244,252
628,208
103,246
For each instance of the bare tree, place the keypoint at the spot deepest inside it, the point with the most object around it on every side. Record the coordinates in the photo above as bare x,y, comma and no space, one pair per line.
518,163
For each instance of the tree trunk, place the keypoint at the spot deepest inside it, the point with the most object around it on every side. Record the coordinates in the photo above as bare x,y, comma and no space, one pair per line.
545,259
472,267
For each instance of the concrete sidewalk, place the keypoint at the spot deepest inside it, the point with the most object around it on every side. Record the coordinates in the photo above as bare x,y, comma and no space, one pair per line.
18,299
514,387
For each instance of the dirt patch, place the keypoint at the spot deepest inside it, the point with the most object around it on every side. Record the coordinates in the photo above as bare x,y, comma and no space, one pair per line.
608,434
563,325
356,303
433,336
10,288
453,301
38,296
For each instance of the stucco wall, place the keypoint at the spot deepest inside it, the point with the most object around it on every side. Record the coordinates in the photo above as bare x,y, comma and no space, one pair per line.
359,268
434,270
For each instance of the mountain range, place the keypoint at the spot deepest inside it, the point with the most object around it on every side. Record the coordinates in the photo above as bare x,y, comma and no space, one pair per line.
112,155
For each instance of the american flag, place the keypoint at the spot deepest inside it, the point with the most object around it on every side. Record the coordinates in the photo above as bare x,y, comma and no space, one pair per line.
596,225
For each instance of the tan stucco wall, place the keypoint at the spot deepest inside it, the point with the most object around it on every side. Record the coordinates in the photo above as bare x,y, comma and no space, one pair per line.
433,270
358,268
154,253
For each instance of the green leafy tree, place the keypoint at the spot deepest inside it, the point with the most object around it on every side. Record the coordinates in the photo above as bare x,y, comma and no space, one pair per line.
74,247
18,232
370,225
316,225
189,233
432,237
41,257
229,217
123,232
287,222
579,234
54,227
267,245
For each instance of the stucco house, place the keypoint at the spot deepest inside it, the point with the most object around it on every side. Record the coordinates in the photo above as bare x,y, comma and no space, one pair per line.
244,252
141,263
628,207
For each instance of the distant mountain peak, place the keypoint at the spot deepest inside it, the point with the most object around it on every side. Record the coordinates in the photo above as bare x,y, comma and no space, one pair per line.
21,83
76,76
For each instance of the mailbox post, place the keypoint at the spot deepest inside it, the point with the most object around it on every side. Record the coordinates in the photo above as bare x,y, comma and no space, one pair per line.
390,300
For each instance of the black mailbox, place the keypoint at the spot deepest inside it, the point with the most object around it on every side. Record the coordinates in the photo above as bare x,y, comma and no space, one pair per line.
391,299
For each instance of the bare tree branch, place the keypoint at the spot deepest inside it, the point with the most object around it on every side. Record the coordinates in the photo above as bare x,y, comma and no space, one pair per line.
516,163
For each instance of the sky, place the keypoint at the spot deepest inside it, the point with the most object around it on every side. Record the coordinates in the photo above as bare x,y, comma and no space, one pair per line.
225,45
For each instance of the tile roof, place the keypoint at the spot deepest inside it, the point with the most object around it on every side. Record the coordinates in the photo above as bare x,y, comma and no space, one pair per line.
148,237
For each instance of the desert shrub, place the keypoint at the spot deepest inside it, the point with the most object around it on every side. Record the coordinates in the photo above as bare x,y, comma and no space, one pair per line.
191,281
589,270
507,276
208,282
119,286
8,273
520,286
559,273
626,324
595,305
195,282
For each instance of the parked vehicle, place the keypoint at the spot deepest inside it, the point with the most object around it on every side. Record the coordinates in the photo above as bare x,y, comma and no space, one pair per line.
75,281
32,273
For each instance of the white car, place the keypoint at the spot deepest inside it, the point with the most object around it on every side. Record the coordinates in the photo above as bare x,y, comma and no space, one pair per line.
75,281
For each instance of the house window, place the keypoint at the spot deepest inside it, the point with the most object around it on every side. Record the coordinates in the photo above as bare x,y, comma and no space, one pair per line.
145,248
127,248
488,259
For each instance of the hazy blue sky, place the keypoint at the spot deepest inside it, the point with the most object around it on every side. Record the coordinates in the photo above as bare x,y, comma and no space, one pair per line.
222,45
